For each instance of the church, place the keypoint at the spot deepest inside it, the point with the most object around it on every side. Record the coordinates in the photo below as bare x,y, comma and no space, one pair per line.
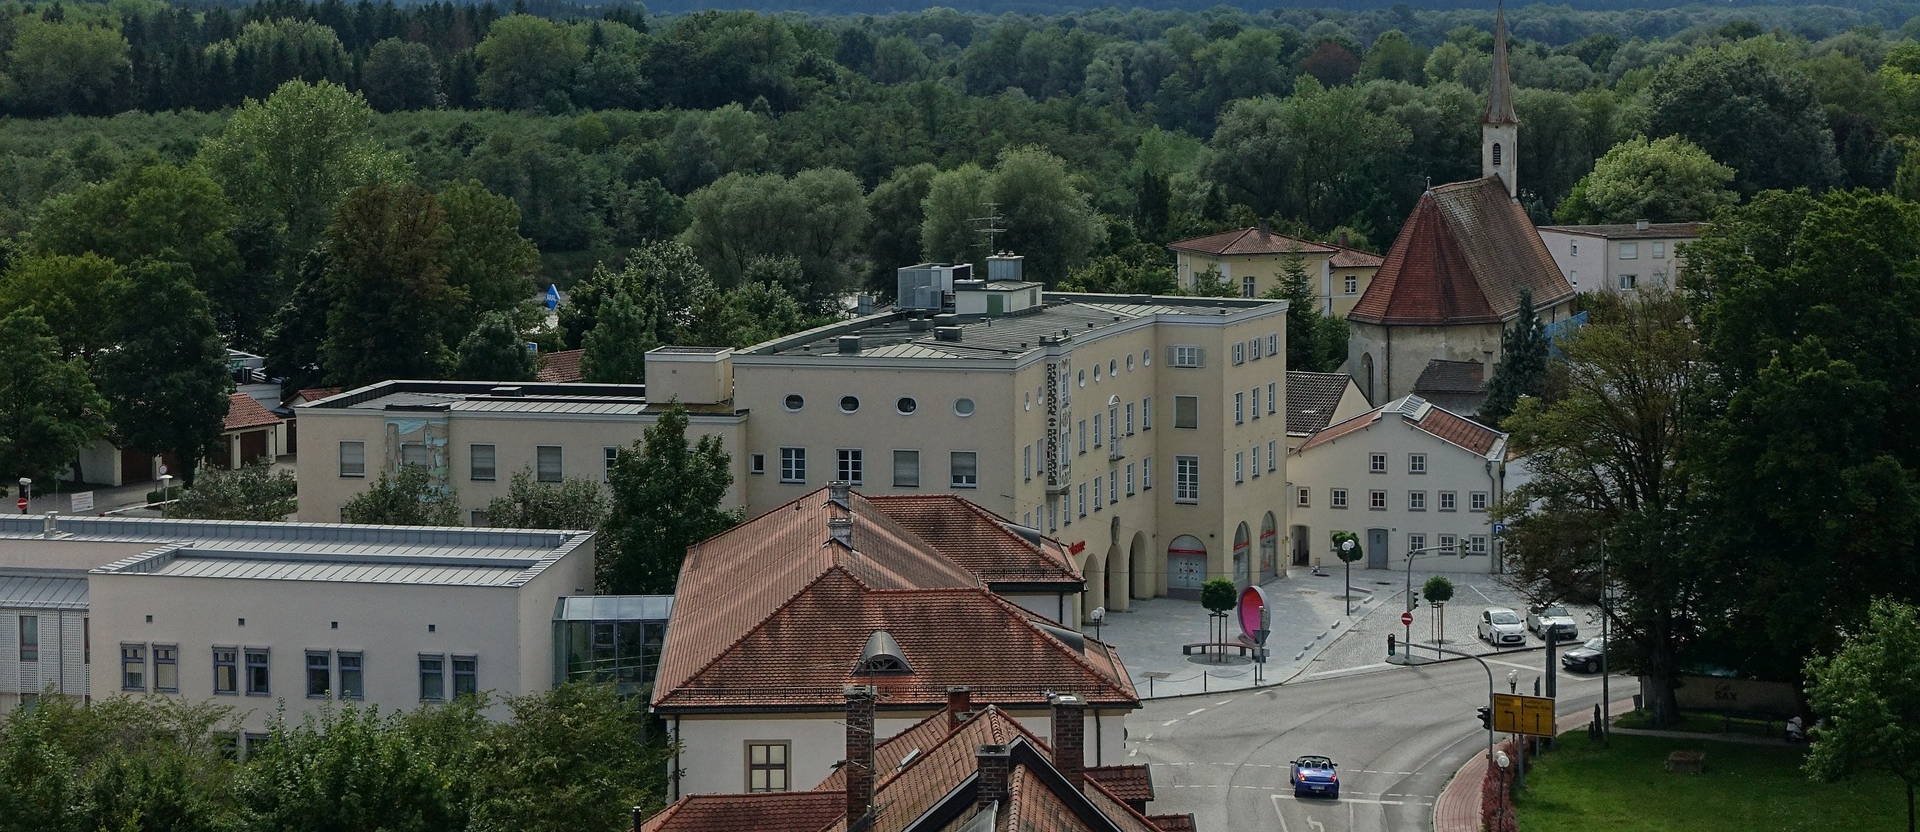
1431,321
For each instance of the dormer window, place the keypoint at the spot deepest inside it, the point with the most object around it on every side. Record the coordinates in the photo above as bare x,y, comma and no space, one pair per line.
882,657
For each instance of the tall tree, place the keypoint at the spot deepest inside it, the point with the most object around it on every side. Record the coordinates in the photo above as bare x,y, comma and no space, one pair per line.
49,409
388,277
1868,696
409,497
1316,343
657,298
490,267
61,68
1308,156
165,380
578,757
666,497
1667,180
67,292
1761,120
399,75
1606,455
529,64
893,237
1523,363
345,768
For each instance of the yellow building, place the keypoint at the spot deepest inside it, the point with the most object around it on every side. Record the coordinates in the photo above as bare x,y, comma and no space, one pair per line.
1253,260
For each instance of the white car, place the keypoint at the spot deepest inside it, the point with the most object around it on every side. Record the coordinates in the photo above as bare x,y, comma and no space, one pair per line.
1502,627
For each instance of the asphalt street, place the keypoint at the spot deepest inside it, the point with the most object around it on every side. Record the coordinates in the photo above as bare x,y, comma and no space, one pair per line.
1398,734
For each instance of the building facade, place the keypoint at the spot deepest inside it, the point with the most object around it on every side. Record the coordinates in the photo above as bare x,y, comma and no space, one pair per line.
1253,262
1620,258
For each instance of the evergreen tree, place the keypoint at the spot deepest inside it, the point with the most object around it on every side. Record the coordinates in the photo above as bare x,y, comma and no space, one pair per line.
1523,364
165,380
49,409
616,347
494,351
666,497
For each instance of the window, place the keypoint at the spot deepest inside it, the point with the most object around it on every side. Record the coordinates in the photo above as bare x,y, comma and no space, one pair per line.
1096,493
1113,486
1416,463
963,407
1096,430
1146,413
257,676
766,767
166,668
1239,467
481,464
1416,501
905,405
1185,355
415,454
1146,474
906,469
1253,348
1273,400
1377,500
849,467
1256,404
1186,479
1256,462
319,674
849,404
1129,418
1376,463
226,670
1573,248
1246,287
1448,542
433,679
1629,251
353,459
133,667
1113,368
1186,412
1129,362
1081,442
1273,455
1337,497
1352,285
1477,501
1146,358
1627,281
352,684
1129,479
1496,154
547,463
794,402
1303,497
1083,499
1239,353
609,456
793,464
1080,378
1448,501
1416,541
1026,462
1659,251
965,469
756,463
1239,408
1477,544
29,638
1273,344
466,676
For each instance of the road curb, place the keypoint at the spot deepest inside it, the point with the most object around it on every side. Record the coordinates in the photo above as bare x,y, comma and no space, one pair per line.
1458,807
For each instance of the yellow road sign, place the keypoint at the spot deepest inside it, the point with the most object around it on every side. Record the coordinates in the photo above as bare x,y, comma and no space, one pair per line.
1523,714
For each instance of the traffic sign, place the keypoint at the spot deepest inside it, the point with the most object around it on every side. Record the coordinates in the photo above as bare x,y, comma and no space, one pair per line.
1518,714
1499,527
1406,618
20,504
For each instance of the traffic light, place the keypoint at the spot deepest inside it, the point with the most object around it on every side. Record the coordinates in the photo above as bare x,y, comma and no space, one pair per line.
1461,546
1486,717
1390,644
1414,601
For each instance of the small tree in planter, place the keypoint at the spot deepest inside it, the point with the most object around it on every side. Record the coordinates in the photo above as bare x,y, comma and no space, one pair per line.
1439,591
1218,596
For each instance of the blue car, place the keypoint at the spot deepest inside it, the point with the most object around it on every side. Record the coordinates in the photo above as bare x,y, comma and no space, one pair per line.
1314,774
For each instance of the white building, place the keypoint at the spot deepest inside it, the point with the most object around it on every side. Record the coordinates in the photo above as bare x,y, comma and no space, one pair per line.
1620,258
1403,476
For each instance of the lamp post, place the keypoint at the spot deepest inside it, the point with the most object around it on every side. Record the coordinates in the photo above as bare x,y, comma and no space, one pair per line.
166,492
1606,616
26,493
1346,546
1098,615
1500,759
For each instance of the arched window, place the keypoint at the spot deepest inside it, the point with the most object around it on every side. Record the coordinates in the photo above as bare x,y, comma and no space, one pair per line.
1496,154
1366,375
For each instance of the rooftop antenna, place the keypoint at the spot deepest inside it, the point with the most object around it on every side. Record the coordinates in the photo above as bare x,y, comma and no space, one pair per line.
989,224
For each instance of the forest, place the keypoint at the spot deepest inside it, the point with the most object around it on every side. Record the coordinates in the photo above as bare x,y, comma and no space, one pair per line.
373,191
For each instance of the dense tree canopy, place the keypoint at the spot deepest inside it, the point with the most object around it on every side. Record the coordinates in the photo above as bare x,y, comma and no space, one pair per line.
1668,180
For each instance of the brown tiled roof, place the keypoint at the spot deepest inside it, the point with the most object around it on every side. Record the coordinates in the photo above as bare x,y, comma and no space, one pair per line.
761,812
244,413
1459,430
560,367
1632,231
1173,823
1333,432
979,540
1443,376
314,394
1312,398
1249,241
1463,256
1353,258
1129,783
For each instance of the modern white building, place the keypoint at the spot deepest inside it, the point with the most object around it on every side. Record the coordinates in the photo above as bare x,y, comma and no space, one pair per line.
1403,476
1620,258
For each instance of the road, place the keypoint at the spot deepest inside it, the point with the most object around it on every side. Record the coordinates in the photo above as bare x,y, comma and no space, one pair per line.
1398,734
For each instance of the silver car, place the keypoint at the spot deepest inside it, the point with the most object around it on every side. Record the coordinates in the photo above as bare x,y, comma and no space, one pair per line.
1551,622
1501,627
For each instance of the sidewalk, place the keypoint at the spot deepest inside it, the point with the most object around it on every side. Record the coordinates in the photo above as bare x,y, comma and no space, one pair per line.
1458,809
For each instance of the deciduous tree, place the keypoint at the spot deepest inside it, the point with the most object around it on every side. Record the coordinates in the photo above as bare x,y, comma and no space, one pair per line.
1867,696
388,275
165,379
574,503
528,64
1667,180
409,497
252,492
666,497
494,351
1759,119
49,409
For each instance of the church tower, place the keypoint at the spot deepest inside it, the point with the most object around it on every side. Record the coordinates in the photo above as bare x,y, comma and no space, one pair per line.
1500,128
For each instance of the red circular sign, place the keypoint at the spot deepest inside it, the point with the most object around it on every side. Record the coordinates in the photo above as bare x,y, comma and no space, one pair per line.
20,504
1407,618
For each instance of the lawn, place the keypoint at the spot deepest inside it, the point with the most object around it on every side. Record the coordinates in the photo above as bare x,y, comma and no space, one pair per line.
1581,786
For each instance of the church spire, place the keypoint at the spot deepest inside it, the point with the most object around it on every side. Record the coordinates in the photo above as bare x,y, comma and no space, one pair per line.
1499,127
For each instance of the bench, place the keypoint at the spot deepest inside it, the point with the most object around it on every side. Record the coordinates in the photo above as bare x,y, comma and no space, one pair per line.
1687,762
1203,646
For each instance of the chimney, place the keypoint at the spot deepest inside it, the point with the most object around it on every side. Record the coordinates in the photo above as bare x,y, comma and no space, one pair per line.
859,762
1343,239
1262,226
841,528
1640,225
49,528
995,763
1070,738
637,817
959,705
840,493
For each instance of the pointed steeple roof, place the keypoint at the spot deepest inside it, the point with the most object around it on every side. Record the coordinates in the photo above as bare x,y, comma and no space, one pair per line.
1500,82
1462,257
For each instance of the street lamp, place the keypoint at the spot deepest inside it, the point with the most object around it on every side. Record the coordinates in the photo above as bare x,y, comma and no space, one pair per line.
1098,615
1346,547
166,492
1500,759
1606,616
26,493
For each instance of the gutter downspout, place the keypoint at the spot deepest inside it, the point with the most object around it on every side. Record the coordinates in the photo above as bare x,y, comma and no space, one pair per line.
1099,750
1494,549
674,775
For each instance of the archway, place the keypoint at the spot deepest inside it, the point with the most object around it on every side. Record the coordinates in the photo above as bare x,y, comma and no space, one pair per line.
1242,556
1143,583
1186,567
1117,597
1301,540
1366,375
1096,574
1269,548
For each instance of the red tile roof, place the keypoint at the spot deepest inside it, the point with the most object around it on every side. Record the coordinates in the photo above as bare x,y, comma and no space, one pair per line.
1633,231
314,394
1129,783
244,413
1462,257
979,540
560,367
1249,241
761,812
1421,415
1353,258
1334,432
1173,823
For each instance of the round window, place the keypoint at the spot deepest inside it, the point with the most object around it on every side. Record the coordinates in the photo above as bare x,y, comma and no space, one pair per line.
1129,363
849,404
963,407
906,405
795,401
1146,358
1026,401
1096,373
1113,367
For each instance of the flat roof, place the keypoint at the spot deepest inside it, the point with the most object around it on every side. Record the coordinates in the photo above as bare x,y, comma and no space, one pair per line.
490,396
43,592
910,334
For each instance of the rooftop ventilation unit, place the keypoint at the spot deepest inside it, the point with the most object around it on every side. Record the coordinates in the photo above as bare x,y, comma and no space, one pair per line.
950,334
849,344
926,286
1006,267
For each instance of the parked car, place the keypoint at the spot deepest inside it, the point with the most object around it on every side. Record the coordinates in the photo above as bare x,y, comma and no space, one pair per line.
1314,774
1551,622
1501,627
1585,658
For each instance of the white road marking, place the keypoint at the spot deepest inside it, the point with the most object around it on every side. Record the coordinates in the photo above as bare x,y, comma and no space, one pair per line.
1476,591
1168,722
1223,702
1356,669
1195,711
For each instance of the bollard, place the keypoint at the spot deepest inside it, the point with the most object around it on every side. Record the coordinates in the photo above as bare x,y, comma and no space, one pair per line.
1203,681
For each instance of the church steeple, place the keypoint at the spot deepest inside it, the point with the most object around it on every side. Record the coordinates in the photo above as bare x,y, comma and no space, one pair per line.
1499,127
